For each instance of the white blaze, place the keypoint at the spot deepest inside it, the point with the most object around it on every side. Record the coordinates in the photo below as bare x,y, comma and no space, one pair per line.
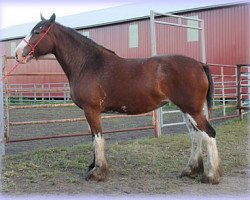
23,44
20,47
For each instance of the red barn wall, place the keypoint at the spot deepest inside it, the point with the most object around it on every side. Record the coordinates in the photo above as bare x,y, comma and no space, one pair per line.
226,34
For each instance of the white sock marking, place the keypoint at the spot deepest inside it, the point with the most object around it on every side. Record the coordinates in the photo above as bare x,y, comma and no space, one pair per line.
196,138
212,153
99,145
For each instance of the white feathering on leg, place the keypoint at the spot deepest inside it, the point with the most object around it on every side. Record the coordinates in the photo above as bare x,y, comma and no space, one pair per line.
212,154
99,145
196,140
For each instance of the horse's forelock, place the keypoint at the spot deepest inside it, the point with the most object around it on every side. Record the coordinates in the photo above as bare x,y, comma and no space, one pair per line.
41,23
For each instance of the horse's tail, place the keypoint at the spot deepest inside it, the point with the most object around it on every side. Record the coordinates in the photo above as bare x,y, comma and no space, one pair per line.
210,92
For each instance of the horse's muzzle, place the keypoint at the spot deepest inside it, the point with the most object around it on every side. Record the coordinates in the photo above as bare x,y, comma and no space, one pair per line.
23,57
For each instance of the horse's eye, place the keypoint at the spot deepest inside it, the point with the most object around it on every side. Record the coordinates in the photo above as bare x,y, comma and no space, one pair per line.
36,31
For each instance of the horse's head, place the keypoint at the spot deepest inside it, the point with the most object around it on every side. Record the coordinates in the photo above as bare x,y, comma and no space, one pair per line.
38,42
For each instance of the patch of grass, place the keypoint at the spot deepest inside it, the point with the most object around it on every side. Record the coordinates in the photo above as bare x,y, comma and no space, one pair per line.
151,157
10,174
8,185
73,179
232,140
49,174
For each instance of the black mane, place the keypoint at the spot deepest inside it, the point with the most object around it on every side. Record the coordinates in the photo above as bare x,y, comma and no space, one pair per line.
87,41
40,24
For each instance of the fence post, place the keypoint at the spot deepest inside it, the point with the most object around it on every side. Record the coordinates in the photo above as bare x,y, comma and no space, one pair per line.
35,92
223,91
204,59
2,151
6,102
239,91
157,112
42,91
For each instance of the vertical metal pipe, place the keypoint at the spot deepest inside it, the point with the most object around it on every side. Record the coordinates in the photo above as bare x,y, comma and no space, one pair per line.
236,82
238,90
152,31
7,102
157,113
203,59
223,90
203,45
2,150
35,93
43,92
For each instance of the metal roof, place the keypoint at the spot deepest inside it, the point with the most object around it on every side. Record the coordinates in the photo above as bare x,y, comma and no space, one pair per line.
117,14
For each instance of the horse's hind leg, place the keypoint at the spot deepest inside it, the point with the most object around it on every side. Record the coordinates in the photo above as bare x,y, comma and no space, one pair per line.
202,126
214,162
195,162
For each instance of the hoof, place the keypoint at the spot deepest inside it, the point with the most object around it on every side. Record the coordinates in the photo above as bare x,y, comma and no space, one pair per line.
193,171
187,172
215,178
97,174
220,169
210,179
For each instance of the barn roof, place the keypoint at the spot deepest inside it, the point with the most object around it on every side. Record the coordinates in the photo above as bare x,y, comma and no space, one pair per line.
117,15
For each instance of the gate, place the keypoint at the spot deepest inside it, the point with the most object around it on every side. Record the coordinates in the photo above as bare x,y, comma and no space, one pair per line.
225,91
243,73
1,113
182,22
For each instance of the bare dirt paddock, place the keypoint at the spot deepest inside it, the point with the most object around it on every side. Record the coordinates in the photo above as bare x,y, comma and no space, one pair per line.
139,163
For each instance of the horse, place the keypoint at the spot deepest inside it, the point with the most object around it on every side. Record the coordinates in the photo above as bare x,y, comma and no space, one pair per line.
101,81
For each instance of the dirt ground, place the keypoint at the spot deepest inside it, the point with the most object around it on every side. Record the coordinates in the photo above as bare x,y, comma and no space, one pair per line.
130,182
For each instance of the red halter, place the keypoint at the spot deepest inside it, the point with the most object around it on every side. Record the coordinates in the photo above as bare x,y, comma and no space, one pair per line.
30,53
33,47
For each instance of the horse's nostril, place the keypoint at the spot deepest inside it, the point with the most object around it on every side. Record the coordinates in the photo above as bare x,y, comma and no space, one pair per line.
24,54
16,57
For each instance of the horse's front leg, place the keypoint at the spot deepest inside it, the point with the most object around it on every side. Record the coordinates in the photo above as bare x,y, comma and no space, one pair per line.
98,169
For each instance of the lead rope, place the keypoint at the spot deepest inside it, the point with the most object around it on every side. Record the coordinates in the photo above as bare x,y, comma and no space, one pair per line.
31,52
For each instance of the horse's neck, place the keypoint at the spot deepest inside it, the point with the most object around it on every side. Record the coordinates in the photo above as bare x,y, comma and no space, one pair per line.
72,54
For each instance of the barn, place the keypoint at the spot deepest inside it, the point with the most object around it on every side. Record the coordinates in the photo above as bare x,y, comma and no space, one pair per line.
128,34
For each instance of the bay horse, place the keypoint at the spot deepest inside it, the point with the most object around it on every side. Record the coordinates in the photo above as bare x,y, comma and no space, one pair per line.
101,81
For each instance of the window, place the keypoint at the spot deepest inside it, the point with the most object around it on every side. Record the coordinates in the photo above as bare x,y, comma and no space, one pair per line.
12,48
133,36
193,34
86,34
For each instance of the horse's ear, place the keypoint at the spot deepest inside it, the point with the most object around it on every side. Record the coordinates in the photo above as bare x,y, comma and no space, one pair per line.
52,18
42,18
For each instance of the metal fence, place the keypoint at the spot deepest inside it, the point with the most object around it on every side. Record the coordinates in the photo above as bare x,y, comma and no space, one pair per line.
243,89
225,91
9,123
38,93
